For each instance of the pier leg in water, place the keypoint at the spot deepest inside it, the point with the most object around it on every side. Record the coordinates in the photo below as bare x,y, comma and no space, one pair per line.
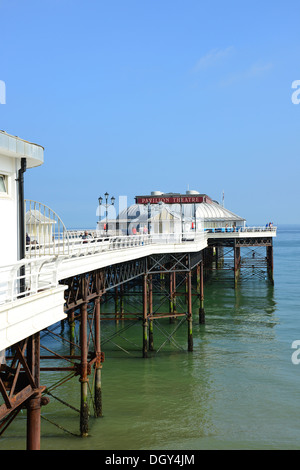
145,318
150,292
270,264
98,364
190,312
84,411
237,263
117,305
122,301
34,403
200,290
171,297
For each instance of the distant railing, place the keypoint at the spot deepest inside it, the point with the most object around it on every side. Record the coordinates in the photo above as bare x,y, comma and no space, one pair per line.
81,244
240,229
47,235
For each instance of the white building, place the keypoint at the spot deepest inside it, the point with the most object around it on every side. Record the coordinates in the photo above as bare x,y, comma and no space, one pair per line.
16,157
28,302
175,213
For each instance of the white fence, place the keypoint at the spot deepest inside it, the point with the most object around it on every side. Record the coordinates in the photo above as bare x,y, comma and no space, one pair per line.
26,277
39,271
80,244
241,229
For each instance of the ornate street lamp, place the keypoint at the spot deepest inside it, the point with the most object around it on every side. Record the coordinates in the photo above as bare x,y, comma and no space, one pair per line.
106,205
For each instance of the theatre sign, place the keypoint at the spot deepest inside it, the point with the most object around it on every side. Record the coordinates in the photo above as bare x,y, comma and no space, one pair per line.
173,199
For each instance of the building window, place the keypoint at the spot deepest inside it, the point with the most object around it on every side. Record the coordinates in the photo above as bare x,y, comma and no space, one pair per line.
3,184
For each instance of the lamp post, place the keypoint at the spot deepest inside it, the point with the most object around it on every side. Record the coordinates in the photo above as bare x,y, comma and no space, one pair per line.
149,215
106,205
182,217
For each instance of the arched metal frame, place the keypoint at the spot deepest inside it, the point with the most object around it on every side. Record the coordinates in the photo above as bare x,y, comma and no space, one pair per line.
46,233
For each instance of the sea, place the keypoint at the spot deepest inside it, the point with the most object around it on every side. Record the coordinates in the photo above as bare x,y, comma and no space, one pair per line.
239,388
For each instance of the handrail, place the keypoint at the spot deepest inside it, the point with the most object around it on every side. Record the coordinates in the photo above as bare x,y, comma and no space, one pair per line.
77,243
47,235
240,229
30,271
92,245
40,272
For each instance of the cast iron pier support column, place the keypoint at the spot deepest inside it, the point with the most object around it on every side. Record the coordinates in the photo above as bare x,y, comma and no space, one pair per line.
172,298
98,363
190,311
84,411
150,293
237,263
270,262
200,290
145,317
34,403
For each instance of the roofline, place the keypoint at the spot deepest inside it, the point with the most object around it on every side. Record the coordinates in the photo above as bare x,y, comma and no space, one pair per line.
14,147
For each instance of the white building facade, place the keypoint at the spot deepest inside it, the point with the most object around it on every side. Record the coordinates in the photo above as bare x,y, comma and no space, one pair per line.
26,306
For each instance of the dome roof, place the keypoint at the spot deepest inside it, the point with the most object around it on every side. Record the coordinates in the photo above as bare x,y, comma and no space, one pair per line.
206,211
214,211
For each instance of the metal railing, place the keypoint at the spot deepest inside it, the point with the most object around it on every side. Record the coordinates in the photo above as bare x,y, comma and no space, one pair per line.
80,244
26,277
32,275
240,229
46,233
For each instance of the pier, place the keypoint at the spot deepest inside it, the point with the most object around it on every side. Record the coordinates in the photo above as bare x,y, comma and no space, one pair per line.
51,276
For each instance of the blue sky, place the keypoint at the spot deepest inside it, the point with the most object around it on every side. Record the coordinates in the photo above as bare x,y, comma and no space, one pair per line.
134,96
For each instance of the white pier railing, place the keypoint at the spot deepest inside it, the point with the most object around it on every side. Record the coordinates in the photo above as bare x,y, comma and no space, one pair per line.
267,229
46,234
26,277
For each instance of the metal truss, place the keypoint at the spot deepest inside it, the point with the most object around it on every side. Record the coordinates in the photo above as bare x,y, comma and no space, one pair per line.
19,382
87,287
174,262
239,242
118,274
253,263
257,241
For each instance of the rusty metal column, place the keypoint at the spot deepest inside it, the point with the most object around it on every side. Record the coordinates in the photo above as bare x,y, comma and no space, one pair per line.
217,256
84,410
174,292
150,292
145,319
34,403
122,301
98,364
201,292
171,297
270,262
237,260
190,311
117,310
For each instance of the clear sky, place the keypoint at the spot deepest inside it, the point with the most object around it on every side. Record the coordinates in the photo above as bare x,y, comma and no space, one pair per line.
132,96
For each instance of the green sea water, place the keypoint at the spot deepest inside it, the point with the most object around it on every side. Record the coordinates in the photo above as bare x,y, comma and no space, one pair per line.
238,389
